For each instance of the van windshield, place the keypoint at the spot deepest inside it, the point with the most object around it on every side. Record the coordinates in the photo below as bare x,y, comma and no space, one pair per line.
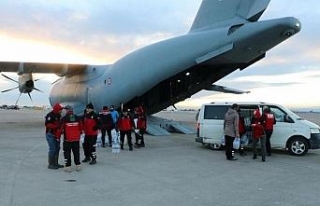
294,115
281,114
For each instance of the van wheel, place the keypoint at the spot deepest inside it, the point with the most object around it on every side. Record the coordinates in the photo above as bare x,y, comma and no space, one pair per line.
216,146
298,146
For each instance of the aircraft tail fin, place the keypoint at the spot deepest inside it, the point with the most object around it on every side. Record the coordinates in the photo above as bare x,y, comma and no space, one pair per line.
218,13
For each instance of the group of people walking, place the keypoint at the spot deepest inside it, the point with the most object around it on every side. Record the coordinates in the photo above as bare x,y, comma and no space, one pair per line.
71,126
261,128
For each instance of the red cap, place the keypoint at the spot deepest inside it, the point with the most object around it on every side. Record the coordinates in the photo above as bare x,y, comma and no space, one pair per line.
57,107
256,113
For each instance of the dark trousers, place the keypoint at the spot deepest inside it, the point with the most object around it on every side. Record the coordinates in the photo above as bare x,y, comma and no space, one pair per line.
268,145
73,147
139,137
89,146
129,138
229,146
255,141
103,136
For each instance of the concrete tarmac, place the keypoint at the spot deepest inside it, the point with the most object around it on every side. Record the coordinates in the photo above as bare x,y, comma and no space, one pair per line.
170,170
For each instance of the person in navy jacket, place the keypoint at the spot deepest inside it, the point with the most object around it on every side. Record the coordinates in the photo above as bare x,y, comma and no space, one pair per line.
53,135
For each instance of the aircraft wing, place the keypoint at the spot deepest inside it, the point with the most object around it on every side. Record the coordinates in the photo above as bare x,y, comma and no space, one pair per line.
224,89
33,67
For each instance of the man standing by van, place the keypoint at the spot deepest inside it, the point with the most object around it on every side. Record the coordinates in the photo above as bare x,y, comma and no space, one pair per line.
231,130
258,135
268,121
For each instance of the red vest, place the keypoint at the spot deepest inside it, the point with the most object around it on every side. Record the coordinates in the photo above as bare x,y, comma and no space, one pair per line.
257,129
269,121
125,123
90,123
142,122
72,131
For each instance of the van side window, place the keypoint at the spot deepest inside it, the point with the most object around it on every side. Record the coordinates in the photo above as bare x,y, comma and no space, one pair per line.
246,112
215,111
278,113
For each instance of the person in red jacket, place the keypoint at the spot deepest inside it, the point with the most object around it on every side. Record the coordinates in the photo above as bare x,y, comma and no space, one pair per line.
258,134
268,121
91,124
71,127
140,126
125,125
53,134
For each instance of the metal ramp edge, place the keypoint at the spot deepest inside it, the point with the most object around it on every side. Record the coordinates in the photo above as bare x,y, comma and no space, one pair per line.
183,128
156,130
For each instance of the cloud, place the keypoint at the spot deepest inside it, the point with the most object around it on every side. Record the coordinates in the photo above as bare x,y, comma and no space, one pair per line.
84,24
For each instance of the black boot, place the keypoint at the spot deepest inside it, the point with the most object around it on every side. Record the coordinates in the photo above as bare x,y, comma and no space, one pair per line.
242,152
56,161
136,145
141,145
51,164
93,162
87,159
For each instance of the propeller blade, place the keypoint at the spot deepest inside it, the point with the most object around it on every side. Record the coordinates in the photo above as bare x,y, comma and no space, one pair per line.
9,78
8,90
38,90
30,97
56,81
18,99
174,107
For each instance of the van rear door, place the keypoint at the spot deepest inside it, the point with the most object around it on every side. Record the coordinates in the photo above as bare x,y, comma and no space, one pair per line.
211,127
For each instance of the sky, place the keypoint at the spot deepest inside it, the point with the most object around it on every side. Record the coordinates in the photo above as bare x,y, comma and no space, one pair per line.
102,31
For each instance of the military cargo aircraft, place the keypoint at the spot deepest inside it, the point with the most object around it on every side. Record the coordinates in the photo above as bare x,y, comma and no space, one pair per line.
224,37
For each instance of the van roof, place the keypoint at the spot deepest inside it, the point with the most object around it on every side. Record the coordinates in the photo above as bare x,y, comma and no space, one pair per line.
240,103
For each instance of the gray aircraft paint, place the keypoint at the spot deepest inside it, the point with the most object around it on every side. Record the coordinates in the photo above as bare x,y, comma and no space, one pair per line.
225,36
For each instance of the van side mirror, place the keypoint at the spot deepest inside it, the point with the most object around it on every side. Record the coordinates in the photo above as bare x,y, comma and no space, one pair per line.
288,119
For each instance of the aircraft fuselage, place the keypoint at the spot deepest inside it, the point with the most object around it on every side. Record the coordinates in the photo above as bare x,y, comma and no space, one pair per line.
169,71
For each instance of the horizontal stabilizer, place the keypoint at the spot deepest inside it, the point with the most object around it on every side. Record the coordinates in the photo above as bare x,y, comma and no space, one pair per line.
224,89
218,13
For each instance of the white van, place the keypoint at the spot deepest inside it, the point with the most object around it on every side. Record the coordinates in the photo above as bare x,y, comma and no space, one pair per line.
290,131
